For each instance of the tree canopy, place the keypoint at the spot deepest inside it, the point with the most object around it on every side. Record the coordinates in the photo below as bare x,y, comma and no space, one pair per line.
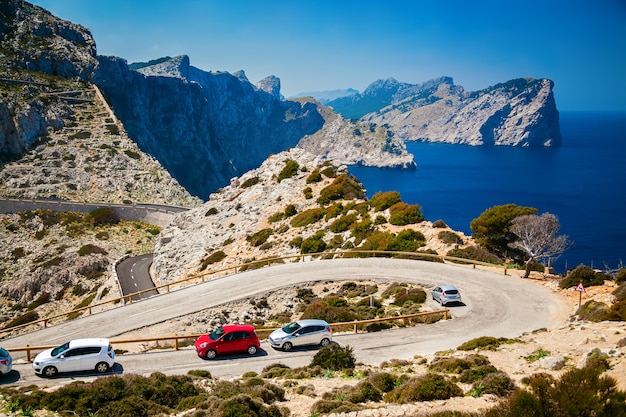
492,229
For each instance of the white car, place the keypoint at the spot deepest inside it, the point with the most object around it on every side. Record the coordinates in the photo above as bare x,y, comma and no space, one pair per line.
301,333
75,355
5,361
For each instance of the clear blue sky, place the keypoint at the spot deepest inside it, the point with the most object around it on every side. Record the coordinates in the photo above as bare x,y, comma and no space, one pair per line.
314,45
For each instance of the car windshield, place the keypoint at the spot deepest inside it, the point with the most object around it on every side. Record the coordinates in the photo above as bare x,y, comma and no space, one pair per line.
60,349
291,327
217,333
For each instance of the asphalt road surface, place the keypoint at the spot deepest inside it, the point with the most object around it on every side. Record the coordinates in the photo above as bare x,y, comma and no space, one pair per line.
494,305
133,275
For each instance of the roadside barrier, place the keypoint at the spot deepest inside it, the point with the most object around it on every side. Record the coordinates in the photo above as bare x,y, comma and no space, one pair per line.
202,277
179,339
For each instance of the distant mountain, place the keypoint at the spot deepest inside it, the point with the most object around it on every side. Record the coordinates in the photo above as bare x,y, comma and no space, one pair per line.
325,97
520,112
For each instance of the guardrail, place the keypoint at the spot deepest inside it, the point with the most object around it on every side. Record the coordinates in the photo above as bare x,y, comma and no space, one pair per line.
242,267
406,319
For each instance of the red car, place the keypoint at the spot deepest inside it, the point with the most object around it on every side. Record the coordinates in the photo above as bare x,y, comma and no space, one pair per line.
230,338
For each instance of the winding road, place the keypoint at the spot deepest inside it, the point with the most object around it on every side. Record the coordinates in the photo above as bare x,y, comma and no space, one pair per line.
494,305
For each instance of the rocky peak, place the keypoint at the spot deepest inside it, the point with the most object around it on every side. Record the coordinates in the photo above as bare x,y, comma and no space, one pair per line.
177,67
271,85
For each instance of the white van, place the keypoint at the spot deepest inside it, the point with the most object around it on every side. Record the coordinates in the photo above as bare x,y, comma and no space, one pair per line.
75,355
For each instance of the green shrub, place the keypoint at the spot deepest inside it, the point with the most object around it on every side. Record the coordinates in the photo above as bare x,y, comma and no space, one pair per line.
402,214
620,278
211,212
314,176
439,224
343,223
289,170
334,357
132,154
579,392
449,238
25,318
260,237
307,217
343,187
290,210
475,253
485,343
308,193
313,244
583,274
90,249
593,310
200,373
18,253
276,217
414,296
453,365
322,311
476,373
383,381
215,257
363,392
250,182
429,387
80,135
296,242
497,383
104,216
382,201
380,219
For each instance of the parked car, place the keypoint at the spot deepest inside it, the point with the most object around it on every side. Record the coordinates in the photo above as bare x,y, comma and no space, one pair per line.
5,361
230,338
445,294
76,355
301,333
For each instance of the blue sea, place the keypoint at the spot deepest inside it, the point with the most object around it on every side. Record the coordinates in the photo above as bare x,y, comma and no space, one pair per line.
582,182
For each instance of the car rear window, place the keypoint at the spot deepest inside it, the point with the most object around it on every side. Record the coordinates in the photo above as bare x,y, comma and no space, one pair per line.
4,353
451,292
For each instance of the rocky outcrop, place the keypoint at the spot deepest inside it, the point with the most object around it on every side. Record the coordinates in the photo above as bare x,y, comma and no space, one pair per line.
204,127
251,219
520,112
33,39
358,143
34,47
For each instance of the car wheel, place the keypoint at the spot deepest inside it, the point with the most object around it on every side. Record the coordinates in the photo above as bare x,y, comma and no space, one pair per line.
210,354
325,342
102,367
49,371
252,350
287,346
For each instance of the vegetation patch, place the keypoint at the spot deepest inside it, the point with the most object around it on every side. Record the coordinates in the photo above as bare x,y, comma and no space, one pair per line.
215,257
307,217
289,170
260,237
584,274
343,187
475,253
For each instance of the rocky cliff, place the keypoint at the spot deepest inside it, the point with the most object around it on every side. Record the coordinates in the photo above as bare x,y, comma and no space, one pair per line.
204,127
520,112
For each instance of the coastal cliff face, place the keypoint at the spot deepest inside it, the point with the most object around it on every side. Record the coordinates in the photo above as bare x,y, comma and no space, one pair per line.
204,127
520,112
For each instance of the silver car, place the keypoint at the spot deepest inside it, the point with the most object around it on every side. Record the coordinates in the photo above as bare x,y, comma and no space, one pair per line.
445,294
5,361
302,333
